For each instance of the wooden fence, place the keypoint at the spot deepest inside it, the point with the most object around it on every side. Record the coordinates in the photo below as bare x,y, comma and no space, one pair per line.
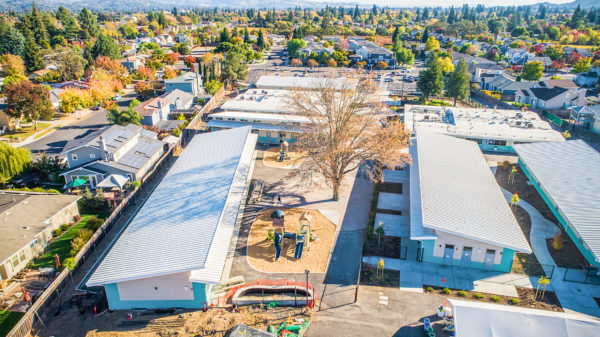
196,123
31,317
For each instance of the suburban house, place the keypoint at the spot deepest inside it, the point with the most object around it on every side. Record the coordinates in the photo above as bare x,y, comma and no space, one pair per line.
588,79
458,213
492,129
132,63
28,219
504,83
563,83
153,110
584,116
189,82
565,174
315,47
477,70
129,151
371,52
551,98
174,252
178,100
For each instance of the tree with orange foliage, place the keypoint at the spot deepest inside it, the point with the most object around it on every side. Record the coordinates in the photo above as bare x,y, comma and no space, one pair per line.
331,63
312,63
295,62
171,58
170,73
144,73
114,68
343,131
189,61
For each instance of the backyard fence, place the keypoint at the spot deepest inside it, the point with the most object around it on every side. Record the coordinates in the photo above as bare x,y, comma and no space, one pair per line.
197,122
54,290
582,275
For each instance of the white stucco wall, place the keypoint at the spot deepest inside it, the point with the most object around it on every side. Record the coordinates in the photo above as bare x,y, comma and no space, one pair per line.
168,287
478,252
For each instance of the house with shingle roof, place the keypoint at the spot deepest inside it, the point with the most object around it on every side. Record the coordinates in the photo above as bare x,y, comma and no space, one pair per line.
126,150
153,110
551,98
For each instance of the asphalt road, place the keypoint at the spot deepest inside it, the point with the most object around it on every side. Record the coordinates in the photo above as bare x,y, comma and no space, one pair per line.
54,142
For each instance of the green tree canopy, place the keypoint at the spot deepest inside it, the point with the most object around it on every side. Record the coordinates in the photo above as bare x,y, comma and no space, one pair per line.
294,45
405,56
105,46
235,67
32,55
70,64
89,24
127,116
13,160
458,82
431,80
533,71
11,40
26,100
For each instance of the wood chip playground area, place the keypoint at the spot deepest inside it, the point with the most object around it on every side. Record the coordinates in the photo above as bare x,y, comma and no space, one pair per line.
315,254
271,158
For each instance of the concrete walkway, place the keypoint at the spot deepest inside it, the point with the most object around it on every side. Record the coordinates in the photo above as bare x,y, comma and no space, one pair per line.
573,296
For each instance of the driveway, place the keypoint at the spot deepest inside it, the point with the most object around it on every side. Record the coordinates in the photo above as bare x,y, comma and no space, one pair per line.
56,141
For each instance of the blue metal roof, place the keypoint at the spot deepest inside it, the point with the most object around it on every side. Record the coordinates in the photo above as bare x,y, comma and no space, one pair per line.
180,222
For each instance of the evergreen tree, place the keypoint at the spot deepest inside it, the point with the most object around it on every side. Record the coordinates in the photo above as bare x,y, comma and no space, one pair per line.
452,16
162,19
105,46
11,40
68,22
425,35
224,36
88,23
32,55
260,41
246,36
37,27
458,82
431,80
577,18
356,13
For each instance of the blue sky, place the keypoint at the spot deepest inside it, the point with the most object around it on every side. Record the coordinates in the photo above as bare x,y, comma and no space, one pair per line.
446,3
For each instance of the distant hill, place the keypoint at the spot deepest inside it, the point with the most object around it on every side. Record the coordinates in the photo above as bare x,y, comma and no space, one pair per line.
586,4
135,5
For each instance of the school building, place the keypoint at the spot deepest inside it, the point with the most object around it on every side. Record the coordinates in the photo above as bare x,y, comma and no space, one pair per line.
174,251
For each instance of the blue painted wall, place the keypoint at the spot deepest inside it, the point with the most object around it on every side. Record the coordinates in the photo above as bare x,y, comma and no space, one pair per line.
589,256
504,266
201,293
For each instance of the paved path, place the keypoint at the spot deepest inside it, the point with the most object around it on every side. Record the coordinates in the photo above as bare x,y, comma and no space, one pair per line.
573,296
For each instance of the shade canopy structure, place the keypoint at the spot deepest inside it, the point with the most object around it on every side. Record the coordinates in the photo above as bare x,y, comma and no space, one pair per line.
114,181
278,214
76,182
474,319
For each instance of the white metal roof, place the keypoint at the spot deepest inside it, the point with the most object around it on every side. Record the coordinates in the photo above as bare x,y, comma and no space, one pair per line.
255,126
260,117
569,173
475,319
308,83
459,194
186,217
481,123
260,100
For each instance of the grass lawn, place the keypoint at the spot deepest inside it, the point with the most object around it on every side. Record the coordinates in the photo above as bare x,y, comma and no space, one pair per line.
45,132
62,246
27,131
8,319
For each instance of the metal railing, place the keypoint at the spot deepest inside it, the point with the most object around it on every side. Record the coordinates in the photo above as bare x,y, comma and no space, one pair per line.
581,275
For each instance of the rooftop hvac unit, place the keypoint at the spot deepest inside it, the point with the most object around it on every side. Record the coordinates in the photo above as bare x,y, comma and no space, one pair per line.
519,115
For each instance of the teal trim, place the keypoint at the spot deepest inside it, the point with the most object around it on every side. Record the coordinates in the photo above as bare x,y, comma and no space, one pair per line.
496,148
506,262
201,293
587,254
272,140
428,246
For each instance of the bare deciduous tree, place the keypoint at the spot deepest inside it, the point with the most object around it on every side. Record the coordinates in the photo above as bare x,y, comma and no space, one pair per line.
345,129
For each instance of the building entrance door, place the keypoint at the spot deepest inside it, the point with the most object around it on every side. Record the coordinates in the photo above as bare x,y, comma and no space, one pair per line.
488,260
466,257
448,253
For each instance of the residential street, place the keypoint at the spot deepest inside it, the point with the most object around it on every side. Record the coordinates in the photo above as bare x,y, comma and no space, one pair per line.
55,141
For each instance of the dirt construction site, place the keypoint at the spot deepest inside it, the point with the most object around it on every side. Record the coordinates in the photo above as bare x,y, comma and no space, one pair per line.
215,322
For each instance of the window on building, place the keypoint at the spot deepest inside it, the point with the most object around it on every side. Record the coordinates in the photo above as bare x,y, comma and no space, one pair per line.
478,141
34,243
92,155
497,142
15,261
74,156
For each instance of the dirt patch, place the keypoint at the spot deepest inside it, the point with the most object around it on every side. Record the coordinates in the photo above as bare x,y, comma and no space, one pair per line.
261,251
368,276
526,297
526,192
391,188
271,158
525,263
214,322
568,256
388,246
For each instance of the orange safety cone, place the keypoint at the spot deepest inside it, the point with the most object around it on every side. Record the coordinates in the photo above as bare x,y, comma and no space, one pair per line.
444,279
204,307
